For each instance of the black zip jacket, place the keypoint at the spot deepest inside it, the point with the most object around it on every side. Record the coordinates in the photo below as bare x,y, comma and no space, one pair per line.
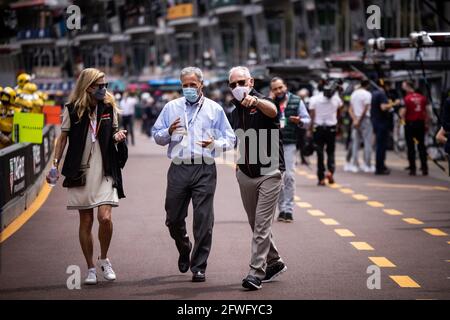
245,119
112,161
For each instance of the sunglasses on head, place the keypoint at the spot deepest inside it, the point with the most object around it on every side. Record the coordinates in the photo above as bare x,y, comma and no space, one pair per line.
100,85
233,85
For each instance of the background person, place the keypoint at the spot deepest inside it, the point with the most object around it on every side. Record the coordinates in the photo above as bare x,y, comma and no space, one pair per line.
293,115
414,114
360,103
324,108
381,108
128,106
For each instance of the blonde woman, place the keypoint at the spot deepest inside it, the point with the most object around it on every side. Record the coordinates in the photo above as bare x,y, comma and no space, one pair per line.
91,170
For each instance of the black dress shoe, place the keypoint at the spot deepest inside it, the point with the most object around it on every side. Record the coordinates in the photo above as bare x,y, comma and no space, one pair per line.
184,261
383,172
198,276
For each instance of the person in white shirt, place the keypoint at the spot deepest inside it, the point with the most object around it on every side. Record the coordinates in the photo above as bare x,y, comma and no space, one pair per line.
360,103
323,109
128,106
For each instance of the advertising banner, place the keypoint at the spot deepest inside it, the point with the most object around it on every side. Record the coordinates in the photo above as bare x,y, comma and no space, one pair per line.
27,127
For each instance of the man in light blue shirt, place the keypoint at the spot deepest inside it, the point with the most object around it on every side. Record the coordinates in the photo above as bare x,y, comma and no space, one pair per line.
196,130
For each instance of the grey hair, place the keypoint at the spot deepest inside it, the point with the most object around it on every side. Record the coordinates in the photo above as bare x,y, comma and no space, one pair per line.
241,69
192,70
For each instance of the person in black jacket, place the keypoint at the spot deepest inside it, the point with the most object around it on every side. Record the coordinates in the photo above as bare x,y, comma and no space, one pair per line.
90,124
444,133
259,173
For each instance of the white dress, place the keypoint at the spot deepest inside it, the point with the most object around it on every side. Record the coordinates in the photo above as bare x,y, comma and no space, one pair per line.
98,189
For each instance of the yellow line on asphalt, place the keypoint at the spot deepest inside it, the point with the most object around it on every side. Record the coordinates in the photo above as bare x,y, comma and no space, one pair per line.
362,246
435,232
344,232
316,213
329,222
297,198
346,191
360,197
27,214
335,186
310,176
412,221
375,204
304,204
448,242
405,282
382,262
408,186
393,212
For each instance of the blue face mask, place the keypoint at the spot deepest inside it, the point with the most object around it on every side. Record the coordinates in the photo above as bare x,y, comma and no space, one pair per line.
99,94
190,94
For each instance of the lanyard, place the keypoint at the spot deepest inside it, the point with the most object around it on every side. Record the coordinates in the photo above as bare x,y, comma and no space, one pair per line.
189,124
94,127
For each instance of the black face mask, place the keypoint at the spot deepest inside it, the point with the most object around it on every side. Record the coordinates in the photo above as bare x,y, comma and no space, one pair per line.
99,94
280,98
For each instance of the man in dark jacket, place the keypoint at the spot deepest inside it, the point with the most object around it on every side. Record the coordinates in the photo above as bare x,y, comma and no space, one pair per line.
259,173
444,133
381,118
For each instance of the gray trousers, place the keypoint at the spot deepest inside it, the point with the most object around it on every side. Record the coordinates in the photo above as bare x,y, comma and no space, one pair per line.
364,132
196,182
286,200
259,197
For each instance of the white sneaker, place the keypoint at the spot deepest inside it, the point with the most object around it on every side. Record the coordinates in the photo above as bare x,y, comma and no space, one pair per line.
347,166
106,267
91,277
353,168
368,169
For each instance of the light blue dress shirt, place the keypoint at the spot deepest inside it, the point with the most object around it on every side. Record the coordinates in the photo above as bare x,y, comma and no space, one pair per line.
206,119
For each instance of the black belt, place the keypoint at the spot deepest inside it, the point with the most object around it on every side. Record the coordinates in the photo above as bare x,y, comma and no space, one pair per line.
325,127
194,161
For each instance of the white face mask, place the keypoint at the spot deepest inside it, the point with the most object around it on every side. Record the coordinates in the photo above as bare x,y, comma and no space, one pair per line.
240,92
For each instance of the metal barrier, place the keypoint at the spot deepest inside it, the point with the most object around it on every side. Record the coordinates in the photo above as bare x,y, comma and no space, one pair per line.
22,167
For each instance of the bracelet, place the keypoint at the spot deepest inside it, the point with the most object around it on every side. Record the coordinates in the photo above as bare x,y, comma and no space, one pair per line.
257,101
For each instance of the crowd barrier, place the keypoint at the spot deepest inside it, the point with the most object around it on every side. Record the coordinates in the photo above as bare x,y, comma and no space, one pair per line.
22,174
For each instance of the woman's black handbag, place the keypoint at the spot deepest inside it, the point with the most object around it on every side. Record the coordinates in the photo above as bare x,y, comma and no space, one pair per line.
122,154
78,181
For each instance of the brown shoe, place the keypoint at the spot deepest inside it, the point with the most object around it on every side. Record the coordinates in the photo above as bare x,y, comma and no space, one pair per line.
330,177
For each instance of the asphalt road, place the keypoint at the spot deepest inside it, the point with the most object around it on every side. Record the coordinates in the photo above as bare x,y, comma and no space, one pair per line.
317,247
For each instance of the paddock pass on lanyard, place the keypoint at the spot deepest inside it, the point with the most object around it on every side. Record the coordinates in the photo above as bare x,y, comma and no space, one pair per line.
185,140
